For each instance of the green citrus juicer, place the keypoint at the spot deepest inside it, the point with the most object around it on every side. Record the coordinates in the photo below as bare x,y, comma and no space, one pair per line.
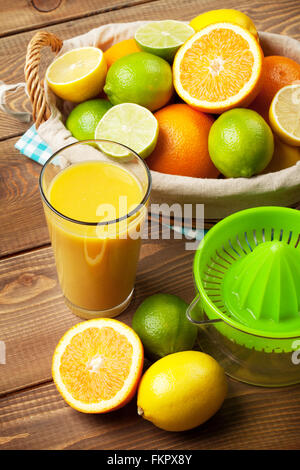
247,274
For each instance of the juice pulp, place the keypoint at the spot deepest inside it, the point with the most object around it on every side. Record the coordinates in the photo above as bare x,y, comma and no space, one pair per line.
96,265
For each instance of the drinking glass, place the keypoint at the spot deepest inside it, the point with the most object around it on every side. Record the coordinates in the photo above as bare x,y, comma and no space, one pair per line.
96,261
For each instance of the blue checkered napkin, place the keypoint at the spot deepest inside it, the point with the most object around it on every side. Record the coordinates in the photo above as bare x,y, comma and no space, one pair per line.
31,145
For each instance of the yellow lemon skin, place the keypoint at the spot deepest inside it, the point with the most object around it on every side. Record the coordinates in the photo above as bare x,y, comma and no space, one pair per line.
221,16
287,101
284,156
181,391
78,75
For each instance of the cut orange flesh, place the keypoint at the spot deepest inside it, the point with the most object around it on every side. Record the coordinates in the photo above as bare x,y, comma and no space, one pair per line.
218,68
97,365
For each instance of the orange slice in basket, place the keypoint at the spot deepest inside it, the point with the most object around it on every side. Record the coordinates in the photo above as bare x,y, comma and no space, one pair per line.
218,68
97,365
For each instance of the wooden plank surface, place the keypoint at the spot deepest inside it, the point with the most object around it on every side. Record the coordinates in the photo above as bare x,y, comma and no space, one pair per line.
22,219
34,316
34,416
12,55
251,418
283,18
32,313
21,15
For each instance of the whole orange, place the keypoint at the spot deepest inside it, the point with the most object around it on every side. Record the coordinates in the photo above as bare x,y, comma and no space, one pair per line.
182,146
277,72
120,49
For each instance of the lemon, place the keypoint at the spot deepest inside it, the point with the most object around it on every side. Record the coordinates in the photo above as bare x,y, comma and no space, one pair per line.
78,75
163,38
161,323
221,16
240,143
140,78
181,391
131,125
84,118
284,156
284,114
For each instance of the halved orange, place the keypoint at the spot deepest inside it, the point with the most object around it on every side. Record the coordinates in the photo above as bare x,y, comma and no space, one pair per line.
97,365
218,68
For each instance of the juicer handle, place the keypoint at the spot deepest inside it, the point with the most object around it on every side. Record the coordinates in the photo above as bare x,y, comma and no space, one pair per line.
199,322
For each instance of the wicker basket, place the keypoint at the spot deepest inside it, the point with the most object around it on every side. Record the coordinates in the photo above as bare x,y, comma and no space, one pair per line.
220,197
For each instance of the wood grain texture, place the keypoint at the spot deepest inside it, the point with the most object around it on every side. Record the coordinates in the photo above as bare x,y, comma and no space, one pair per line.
15,101
22,219
283,18
22,222
33,315
34,416
19,176
251,418
21,15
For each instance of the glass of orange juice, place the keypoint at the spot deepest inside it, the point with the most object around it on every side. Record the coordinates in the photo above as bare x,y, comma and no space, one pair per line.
95,195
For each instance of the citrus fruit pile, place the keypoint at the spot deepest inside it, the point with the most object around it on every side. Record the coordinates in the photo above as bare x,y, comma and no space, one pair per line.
212,102
97,366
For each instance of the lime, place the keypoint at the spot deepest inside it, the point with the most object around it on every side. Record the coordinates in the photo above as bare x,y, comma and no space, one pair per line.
84,118
163,38
181,391
162,326
131,125
240,143
227,15
140,78
78,75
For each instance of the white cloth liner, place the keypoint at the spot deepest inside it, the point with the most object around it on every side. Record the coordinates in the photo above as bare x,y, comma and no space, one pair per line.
221,197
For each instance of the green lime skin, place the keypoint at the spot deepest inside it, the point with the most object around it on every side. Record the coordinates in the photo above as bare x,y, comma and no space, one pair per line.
84,118
140,78
163,38
160,322
168,54
240,143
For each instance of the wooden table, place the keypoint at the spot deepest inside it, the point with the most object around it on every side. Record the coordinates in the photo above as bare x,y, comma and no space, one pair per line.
33,315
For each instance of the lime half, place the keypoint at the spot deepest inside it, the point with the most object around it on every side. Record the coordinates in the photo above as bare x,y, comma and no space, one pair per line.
129,124
163,38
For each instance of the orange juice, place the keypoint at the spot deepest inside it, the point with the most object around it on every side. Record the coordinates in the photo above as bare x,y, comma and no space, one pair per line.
96,262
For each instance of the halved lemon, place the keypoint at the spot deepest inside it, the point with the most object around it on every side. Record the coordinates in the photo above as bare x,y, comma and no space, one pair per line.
78,75
284,114
97,365
218,68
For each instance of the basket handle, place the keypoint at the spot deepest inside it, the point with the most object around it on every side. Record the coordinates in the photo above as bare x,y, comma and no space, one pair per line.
35,87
